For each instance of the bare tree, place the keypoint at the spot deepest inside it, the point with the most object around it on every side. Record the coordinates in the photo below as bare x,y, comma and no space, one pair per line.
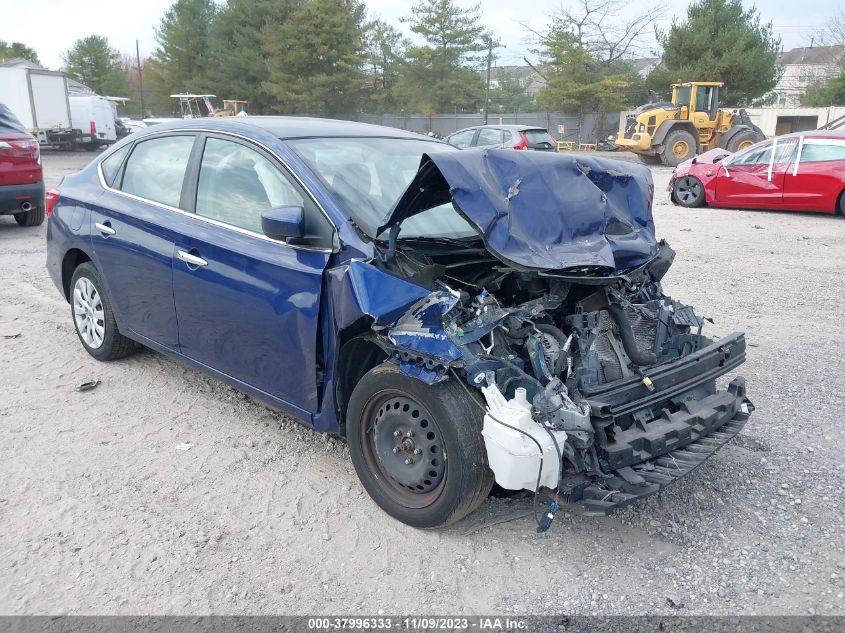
606,28
832,35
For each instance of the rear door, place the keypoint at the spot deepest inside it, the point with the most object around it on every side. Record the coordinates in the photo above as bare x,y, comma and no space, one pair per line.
133,228
816,179
248,306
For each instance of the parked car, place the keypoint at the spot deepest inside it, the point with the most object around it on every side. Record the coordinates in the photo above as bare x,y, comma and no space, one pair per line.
510,136
804,171
21,179
435,307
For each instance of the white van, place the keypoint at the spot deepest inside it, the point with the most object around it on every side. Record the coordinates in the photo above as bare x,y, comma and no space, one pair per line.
92,115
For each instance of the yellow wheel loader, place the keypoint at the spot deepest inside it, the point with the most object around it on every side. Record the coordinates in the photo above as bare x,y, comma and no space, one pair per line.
670,133
232,107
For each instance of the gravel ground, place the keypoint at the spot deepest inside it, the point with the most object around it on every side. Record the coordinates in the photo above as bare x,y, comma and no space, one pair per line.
101,514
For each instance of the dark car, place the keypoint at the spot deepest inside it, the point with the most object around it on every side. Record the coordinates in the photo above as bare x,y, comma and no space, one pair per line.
525,137
21,179
804,171
460,317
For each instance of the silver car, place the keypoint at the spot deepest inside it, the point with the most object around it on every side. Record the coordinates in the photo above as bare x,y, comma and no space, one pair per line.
506,136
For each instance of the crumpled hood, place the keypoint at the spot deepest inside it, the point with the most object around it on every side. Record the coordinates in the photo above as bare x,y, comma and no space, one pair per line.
540,210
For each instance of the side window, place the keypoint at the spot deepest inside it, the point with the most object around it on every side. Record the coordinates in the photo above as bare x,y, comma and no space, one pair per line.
785,151
462,139
111,165
506,136
489,136
822,150
753,156
156,169
236,184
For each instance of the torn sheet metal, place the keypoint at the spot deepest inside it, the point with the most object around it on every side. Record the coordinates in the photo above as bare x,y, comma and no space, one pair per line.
540,210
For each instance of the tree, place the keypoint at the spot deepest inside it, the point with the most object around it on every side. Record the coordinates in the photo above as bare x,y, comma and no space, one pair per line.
829,93
17,49
181,61
442,73
385,50
238,65
97,65
510,93
315,58
831,90
720,41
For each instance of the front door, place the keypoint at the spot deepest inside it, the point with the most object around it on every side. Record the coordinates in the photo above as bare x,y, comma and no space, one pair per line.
248,306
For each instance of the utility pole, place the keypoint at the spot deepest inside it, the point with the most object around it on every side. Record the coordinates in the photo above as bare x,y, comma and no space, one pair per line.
140,76
489,39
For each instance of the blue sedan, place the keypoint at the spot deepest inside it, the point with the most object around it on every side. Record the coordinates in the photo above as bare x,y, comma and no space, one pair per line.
461,317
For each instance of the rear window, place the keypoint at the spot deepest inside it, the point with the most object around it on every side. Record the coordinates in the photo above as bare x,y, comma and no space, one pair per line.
536,137
156,169
111,165
9,122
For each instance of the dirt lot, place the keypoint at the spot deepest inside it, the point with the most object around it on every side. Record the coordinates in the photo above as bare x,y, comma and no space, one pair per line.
101,514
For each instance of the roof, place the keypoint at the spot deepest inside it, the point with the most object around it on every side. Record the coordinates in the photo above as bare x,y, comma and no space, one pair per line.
290,127
19,62
813,55
643,63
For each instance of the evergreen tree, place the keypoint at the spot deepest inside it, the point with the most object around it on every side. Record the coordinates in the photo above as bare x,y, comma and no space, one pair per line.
828,93
181,62
385,50
720,41
97,65
239,64
316,57
17,49
442,74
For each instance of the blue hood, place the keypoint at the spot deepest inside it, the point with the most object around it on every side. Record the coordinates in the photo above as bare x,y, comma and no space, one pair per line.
540,210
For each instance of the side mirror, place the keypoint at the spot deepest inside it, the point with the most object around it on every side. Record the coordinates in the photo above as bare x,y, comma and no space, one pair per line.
283,222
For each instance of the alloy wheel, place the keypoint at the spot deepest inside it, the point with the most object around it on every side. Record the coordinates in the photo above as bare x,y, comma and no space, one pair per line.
88,313
687,190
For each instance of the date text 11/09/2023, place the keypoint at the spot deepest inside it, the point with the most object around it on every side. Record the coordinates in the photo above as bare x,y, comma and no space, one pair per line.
425,623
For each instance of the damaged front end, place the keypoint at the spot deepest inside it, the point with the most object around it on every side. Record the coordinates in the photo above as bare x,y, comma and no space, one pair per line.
597,385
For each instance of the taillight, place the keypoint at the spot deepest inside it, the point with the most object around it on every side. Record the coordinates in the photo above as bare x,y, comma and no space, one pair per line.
94,128
523,143
50,200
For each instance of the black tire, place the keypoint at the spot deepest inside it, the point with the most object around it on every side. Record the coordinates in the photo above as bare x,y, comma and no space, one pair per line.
688,191
841,205
650,160
113,344
744,139
675,141
385,403
33,217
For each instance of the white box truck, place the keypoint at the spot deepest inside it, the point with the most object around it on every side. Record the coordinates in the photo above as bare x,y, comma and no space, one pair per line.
38,98
93,117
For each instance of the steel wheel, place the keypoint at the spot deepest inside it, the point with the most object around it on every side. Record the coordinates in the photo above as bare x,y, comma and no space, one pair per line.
744,144
403,443
689,192
680,149
88,313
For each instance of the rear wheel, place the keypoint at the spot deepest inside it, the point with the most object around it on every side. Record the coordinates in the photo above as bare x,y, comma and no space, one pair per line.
418,448
743,140
679,145
688,192
93,317
33,217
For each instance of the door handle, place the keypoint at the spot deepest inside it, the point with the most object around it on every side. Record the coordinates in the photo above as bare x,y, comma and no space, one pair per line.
105,229
191,260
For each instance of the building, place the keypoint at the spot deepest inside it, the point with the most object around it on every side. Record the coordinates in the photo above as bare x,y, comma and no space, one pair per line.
526,75
803,67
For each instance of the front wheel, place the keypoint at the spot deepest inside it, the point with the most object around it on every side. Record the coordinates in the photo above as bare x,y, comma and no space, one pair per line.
418,448
688,192
679,145
93,317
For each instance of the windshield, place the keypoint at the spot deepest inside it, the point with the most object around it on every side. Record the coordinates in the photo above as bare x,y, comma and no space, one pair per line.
368,176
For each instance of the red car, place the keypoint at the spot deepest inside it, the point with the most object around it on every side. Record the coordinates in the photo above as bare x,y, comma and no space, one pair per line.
21,178
804,171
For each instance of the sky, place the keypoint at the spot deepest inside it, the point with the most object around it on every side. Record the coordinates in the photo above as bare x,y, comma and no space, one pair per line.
51,26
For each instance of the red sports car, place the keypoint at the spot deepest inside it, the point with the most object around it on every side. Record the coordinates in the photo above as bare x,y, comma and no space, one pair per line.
804,171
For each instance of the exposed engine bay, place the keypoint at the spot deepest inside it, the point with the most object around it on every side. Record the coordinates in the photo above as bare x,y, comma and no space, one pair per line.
583,369
594,383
